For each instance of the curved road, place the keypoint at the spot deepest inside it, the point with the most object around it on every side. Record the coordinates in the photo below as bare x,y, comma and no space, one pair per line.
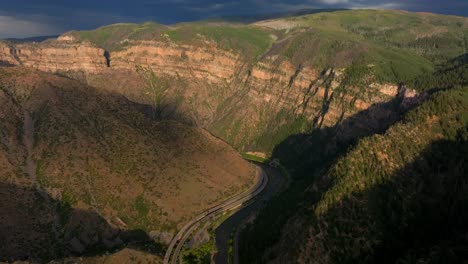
276,182
172,253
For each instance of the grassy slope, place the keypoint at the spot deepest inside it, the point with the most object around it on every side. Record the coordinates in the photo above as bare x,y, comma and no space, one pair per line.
400,45
113,37
247,40
433,36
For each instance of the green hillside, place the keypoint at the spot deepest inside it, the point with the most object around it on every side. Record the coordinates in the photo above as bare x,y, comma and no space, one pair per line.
249,41
397,196
397,45
435,37
116,36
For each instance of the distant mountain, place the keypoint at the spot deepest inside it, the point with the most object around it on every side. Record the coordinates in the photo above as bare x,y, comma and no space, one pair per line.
259,17
31,39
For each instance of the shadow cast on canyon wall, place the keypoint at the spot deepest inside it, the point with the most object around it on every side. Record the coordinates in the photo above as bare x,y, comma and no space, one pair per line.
107,57
169,109
38,228
326,144
308,157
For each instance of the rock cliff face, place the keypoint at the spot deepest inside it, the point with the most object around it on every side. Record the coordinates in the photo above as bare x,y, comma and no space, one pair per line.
7,55
65,54
213,82
209,63
55,56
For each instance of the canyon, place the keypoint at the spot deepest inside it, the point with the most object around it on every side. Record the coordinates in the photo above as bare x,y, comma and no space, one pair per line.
347,104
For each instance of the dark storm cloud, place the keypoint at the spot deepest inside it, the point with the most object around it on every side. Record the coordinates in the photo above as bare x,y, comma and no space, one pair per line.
23,18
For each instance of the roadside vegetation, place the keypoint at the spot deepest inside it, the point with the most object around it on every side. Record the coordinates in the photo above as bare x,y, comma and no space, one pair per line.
231,246
254,158
200,255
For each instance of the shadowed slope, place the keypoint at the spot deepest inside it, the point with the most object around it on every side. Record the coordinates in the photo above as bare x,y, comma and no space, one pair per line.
366,200
39,228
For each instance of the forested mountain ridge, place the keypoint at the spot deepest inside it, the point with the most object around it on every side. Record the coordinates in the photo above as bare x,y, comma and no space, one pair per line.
395,196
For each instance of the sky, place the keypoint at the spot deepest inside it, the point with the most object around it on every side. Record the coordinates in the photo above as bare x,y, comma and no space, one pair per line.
27,18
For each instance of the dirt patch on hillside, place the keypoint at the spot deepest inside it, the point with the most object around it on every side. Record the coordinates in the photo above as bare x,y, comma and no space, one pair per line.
278,24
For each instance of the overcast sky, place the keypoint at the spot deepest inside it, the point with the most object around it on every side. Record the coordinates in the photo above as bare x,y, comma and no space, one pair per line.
26,18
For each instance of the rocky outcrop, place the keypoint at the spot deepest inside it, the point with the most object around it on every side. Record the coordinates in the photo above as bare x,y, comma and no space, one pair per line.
208,63
310,91
7,55
55,56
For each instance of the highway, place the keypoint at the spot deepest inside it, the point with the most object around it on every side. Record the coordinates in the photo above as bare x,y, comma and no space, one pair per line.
235,223
177,243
